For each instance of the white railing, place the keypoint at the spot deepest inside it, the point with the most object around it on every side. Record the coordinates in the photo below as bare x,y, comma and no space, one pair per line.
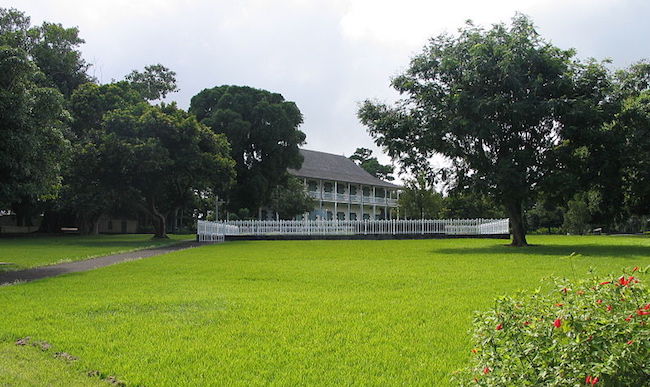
211,230
356,199
214,231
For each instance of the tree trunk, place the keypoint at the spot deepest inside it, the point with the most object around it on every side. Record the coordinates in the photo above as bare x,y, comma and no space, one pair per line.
515,213
159,221
23,211
173,222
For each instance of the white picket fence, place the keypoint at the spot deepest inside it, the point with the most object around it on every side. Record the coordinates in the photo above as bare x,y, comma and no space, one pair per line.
215,231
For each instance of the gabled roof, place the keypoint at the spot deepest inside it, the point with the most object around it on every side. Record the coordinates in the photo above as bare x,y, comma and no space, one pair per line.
327,166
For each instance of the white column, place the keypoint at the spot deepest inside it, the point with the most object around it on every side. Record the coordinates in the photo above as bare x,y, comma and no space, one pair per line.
349,201
320,187
361,193
336,200
374,208
386,214
397,194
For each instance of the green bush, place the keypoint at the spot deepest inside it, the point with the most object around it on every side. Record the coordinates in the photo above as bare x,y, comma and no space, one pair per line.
546,231
585,333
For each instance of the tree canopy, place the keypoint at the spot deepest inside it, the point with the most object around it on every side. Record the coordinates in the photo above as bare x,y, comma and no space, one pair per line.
419,200
262,128
32,124
161,155
489,100
363,158
155,82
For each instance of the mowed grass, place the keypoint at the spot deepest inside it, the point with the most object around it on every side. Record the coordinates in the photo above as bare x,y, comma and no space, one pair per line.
30,366
293,312
25,252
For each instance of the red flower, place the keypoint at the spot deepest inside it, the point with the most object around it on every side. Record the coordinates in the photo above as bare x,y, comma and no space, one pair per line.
591,380
474,350
642,312
588,379
557,323
526,323
564,290
499,327
609,308
486,370
630,342
635,269
629,318
594,380
624,282
559,304
599,301
606,282
647,307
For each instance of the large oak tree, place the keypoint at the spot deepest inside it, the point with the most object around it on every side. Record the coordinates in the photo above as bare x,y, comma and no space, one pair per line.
491,100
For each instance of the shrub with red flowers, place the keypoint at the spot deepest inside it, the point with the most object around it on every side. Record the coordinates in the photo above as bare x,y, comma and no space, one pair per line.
594,332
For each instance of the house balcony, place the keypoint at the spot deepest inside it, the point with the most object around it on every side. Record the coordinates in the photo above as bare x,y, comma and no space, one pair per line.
354,199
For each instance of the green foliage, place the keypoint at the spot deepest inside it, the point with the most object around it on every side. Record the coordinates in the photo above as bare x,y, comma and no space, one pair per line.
420,200
544,215
382,312
262,129
634,122
363,157
162,155
577,216
155,82
489,100
90,102
55,52
32,145
290,199
585,332
464,204
52,47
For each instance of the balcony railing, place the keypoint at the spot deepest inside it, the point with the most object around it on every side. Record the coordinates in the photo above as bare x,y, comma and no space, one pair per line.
355,199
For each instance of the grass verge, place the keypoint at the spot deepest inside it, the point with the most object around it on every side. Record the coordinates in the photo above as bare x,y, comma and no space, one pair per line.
25,252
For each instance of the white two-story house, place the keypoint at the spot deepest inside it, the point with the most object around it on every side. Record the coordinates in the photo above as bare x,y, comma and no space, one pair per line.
343,190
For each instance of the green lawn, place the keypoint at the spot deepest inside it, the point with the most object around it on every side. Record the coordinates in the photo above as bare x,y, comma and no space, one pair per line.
292,312
25,252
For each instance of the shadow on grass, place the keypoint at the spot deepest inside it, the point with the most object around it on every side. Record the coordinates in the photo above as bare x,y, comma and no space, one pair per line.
588,250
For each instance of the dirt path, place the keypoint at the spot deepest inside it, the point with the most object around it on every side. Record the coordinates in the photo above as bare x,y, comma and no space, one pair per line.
10,277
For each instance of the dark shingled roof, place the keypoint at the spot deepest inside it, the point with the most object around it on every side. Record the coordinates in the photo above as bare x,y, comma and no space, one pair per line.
321,165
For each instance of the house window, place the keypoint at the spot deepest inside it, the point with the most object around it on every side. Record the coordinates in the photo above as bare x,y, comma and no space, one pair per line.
353,216
340,215
379,192
366,216
340,188
313,186
327,187
366,191
330,215
353,190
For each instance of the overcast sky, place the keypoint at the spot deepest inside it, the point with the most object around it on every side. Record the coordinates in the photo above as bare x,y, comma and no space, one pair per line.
327,56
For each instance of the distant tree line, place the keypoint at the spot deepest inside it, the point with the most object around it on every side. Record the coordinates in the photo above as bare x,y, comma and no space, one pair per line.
526,124
75,150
